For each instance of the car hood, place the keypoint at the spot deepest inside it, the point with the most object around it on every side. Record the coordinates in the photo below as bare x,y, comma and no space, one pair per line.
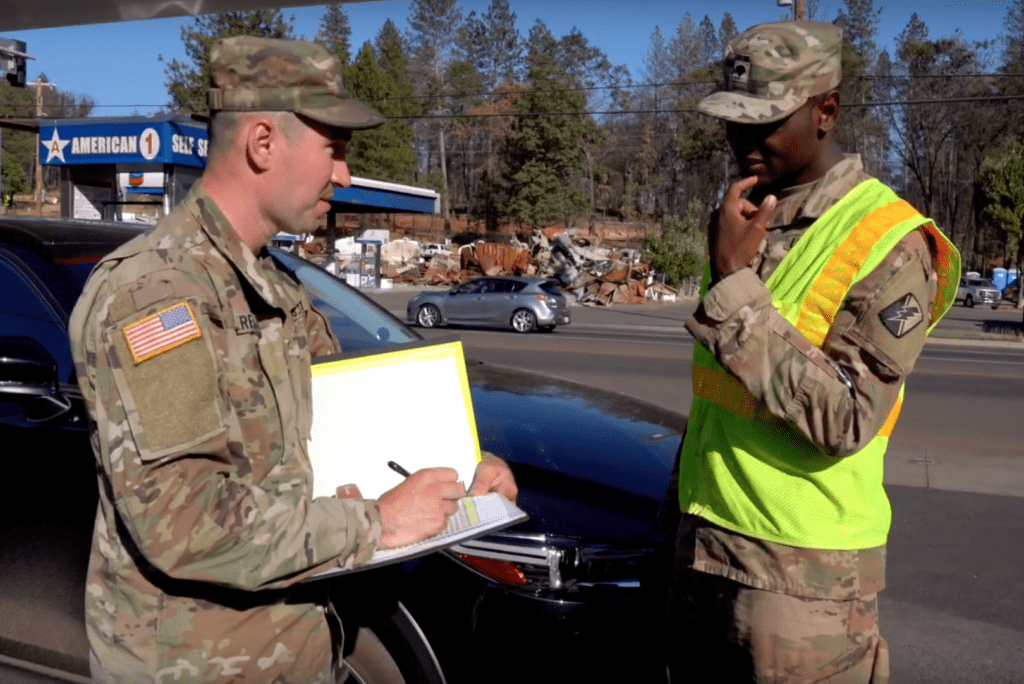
589,463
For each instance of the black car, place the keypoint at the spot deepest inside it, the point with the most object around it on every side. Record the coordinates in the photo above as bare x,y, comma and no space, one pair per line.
571,594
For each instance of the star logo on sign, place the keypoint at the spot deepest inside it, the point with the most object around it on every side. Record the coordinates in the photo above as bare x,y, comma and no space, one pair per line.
55,147
902,316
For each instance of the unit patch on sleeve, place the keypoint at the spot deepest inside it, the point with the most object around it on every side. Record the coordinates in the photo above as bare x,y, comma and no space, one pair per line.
161,332
902,316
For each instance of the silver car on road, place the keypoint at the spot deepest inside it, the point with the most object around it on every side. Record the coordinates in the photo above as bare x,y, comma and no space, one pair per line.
524,304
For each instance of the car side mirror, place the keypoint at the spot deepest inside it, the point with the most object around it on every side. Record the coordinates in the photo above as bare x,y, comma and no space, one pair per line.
28,376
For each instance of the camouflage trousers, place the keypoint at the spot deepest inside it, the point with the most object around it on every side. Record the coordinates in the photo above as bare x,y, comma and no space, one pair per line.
718,630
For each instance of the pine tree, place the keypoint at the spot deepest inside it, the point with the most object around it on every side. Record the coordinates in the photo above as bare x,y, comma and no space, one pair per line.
727,30
188,81
393,59
544,155
492,44
862,132
434,25
940,143
1012,41
490,50
710,55
386,152
335,33
686,47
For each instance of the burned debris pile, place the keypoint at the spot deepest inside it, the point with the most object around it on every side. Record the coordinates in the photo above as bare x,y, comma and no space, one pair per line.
588,271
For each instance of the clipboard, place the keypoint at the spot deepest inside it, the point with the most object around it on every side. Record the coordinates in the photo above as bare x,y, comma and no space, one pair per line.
476,515
409,403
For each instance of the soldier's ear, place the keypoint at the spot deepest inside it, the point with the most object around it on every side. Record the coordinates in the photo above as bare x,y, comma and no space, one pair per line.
827,111
259,137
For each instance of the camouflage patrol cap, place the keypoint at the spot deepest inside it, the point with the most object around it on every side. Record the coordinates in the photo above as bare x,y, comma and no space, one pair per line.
248,73
770,70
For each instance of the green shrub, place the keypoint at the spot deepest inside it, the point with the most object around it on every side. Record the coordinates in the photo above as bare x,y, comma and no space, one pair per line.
682,248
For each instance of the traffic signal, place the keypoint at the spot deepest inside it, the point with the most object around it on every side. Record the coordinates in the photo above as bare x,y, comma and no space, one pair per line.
12,61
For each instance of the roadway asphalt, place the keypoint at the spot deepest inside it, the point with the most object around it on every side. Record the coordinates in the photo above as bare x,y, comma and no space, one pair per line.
952,610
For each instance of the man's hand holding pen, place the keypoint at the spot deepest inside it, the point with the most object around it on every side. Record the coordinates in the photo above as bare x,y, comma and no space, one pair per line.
419,507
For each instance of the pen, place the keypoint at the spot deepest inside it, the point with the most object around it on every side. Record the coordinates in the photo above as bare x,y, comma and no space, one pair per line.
398,469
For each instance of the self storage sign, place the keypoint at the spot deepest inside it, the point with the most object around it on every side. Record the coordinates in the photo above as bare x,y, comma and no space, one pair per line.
160,142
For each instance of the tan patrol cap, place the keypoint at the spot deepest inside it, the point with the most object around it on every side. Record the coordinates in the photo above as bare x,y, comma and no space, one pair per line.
770,70
248,73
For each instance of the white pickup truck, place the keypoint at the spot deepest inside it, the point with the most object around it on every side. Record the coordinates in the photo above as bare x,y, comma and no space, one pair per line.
976,290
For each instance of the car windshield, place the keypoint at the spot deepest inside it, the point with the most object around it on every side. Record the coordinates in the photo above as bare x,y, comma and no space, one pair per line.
357,322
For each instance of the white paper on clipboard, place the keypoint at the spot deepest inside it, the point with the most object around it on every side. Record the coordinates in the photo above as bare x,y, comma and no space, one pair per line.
409,404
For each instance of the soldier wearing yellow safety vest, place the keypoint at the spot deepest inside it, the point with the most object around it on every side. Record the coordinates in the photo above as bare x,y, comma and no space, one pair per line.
821,288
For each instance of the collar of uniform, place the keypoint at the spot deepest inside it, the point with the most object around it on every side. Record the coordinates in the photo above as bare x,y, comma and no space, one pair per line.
257,269
810,200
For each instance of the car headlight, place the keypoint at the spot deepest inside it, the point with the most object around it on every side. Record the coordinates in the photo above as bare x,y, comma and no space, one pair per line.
542,563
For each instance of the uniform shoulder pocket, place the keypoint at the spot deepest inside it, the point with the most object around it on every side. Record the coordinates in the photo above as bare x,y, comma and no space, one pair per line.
165,372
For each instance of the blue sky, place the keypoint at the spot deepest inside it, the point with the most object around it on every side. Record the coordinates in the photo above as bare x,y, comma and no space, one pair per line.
118,65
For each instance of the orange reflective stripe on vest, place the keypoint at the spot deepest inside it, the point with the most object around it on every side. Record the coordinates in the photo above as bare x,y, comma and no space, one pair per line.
818,311
822,304
744,469
724,390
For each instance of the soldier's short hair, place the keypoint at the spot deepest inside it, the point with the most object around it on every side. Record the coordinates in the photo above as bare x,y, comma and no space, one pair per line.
771,70
249,74
225,125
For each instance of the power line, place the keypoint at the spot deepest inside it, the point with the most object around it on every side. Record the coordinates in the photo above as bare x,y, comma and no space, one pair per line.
693,110
631,86
674,84
608,112
632,112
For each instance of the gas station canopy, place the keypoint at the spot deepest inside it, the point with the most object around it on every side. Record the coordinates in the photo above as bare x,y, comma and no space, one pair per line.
105,158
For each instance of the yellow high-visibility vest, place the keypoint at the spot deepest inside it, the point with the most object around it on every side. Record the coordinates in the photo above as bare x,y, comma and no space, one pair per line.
748,471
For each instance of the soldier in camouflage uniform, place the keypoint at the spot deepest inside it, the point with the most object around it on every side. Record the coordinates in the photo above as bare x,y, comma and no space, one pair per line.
746,606
193,354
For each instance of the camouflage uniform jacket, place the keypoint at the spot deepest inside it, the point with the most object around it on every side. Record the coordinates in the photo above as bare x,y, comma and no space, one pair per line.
837,396
206,521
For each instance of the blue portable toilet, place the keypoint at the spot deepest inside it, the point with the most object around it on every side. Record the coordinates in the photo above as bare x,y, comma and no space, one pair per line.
1011,278
999,278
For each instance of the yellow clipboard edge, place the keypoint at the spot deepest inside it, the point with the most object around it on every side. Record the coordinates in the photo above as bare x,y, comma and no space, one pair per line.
403,354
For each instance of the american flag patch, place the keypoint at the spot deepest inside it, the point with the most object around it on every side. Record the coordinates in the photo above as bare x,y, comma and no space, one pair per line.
165,330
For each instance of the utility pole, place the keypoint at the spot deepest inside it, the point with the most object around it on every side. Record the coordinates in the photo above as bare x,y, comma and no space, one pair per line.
798,8
39,159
